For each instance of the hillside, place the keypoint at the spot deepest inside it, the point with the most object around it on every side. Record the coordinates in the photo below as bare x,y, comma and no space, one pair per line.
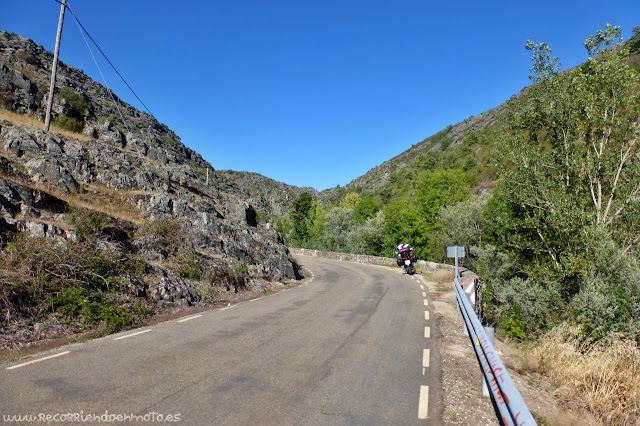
131,208
470,145
274,197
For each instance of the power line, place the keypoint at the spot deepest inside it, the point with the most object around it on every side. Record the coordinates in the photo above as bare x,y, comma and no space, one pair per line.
83,31
103,54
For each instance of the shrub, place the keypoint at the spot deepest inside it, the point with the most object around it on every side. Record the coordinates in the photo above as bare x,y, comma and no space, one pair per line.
190,269
471,139
445,142
462,222
87,223
75,279
168,140
68,123
523,307
428,161
81,105
167,234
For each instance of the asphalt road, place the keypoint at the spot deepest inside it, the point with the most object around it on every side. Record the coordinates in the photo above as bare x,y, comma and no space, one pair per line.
353,345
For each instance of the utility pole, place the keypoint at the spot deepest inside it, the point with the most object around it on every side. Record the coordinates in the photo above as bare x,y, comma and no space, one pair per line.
54,68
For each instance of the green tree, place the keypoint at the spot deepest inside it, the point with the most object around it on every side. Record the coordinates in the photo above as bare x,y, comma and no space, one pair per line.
369,238
572,162
440,188
633,44
336,230
428,161
570,171
318,224
462,223
351,200
283,227
365,210
403,223
302,218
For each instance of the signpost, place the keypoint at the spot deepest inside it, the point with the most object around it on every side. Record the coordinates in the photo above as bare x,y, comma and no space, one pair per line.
455,252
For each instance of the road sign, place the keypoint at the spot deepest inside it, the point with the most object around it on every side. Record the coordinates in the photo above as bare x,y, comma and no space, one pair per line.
455,251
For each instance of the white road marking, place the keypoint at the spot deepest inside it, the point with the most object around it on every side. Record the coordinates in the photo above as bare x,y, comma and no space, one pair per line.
427,332
132,334
37,360
426,315
424,294
425,358
426,302
423,405
421,287
232,306
190,318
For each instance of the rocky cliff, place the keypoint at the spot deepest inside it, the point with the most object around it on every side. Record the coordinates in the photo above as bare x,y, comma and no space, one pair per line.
122,165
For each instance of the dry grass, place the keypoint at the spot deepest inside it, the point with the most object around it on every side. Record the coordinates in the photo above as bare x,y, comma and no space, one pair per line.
98,197
600,377
27,120
111,201
439,275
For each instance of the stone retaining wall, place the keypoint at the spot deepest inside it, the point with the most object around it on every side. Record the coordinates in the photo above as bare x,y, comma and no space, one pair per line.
423,265
358,258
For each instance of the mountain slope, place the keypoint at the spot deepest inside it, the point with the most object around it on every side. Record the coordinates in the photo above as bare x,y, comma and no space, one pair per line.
126,189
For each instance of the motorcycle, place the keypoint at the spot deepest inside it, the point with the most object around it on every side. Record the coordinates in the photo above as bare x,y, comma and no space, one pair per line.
406,258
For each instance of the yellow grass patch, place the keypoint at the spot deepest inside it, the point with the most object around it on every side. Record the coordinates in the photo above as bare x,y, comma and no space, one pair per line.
96,196
439,275
600,377
28,120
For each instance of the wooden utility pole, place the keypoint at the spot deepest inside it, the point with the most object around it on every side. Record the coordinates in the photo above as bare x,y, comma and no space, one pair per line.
54,68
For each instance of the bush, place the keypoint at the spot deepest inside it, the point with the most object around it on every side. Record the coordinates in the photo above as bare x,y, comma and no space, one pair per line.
81,105
428,161
513,324
445,142
471,139
336,229
68,123
167,235
88,224
523,307
75,279
190,269
462,222
78,303
609,298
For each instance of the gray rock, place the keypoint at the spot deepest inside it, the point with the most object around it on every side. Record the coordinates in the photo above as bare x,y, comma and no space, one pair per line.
149,171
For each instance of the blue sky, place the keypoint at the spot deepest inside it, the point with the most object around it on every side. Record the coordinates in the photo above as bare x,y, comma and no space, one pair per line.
314,93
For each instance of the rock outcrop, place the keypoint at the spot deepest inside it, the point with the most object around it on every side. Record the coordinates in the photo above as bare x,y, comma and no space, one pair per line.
136,171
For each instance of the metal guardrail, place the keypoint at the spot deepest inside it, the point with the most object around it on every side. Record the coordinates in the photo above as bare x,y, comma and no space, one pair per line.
507,402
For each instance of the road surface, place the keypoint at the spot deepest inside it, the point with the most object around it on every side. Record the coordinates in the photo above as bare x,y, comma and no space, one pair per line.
353,345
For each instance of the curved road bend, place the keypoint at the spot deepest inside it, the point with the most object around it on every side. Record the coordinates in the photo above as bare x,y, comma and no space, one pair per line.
352,346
